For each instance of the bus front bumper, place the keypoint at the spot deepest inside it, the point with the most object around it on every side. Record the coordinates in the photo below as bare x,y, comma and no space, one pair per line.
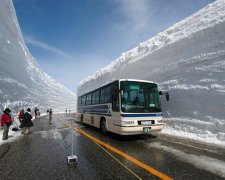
133,130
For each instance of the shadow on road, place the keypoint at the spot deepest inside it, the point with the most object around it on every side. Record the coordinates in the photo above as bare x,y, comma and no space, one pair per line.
117,137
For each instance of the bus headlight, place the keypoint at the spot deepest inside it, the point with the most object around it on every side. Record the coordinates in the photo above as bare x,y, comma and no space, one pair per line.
124,123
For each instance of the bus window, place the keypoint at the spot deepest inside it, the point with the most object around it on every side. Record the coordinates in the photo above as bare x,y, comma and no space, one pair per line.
88,101
115,102
83,99
79,101
108,94
114,87
95,97
139,97
154,100
102,96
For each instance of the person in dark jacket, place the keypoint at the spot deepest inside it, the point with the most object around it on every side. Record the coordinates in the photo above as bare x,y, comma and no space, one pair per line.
36,112
50,116
6,121
27,121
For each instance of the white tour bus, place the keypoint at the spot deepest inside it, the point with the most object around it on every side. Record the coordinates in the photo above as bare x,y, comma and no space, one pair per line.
125,107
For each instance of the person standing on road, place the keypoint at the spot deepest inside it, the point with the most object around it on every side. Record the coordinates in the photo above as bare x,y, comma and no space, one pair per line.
36,112
50,116
6,121
27,122
20,115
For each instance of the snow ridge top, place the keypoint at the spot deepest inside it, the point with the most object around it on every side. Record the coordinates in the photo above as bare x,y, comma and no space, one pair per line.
208,17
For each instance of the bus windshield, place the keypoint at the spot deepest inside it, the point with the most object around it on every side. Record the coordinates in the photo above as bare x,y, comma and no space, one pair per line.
139,97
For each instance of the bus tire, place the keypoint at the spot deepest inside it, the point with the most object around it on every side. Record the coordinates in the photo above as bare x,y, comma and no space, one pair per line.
82,119
103,127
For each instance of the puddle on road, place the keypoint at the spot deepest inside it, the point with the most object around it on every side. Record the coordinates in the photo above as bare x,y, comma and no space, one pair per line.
56,133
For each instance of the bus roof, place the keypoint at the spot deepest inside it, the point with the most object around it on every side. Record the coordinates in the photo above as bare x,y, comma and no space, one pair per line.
138,80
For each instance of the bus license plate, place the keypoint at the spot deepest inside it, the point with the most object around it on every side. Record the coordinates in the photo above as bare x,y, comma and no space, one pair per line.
146,122
146,130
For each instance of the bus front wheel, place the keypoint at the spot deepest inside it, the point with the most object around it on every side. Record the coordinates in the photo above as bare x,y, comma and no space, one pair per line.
103,127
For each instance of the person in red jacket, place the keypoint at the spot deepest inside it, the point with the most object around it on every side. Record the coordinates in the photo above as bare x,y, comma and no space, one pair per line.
6,121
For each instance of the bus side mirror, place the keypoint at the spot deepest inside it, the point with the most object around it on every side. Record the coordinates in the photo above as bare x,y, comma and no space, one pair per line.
166,93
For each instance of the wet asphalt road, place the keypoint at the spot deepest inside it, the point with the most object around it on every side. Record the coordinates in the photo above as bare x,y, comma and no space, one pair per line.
43,155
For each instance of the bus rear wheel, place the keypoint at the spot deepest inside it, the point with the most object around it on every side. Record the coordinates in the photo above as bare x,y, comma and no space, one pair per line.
103,127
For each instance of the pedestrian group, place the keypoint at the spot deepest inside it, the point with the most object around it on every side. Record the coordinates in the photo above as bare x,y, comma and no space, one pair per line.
25,120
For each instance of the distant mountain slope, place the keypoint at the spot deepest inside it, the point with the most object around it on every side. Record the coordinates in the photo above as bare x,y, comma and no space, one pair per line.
22,81
188,60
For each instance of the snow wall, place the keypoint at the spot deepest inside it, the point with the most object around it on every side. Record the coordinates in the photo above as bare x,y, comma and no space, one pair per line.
188,60
22,82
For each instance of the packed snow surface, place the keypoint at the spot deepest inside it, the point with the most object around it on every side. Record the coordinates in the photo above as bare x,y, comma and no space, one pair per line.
22,82
188,60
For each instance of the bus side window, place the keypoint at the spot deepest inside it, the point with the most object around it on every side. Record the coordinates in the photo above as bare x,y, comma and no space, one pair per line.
83,99
102,95
115,103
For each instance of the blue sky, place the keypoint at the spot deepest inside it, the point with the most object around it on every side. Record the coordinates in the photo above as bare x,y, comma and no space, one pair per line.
71,39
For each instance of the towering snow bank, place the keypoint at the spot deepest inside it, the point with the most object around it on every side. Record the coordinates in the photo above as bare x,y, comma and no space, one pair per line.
188,60
22,81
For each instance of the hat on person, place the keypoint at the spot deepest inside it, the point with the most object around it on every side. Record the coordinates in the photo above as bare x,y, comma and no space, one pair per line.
7,110
28,109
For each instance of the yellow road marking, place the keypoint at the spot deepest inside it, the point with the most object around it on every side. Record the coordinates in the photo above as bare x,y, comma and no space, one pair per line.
137,162
117,160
